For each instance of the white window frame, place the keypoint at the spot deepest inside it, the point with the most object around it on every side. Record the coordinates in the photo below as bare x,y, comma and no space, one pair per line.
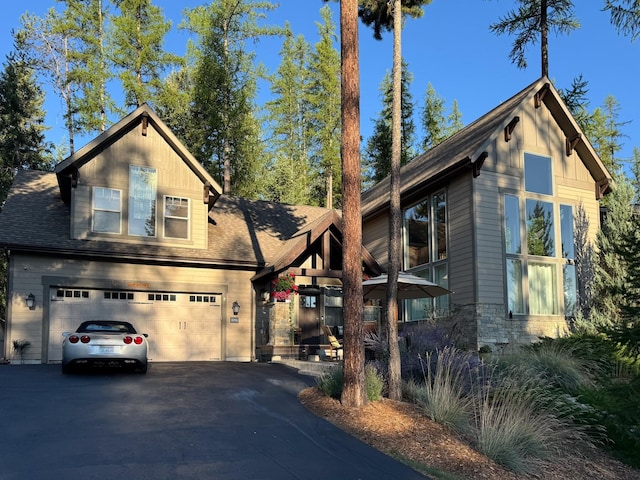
186,219
95,209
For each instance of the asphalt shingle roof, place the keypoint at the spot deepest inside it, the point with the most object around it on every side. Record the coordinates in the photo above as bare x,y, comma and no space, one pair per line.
241,232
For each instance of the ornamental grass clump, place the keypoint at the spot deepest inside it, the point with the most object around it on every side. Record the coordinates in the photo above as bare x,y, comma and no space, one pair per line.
519,420
443,394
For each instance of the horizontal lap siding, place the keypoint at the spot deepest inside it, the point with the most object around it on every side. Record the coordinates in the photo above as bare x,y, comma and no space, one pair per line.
375,238
461,248
488,189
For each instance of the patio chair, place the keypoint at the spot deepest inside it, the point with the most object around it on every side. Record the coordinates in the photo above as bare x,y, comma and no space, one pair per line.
334,344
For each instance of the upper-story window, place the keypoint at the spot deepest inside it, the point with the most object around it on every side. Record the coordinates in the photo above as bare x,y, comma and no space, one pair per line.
176,217
107,210
532,264
143,185
425,252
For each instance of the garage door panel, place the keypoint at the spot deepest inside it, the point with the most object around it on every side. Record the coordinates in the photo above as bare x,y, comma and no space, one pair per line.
180,326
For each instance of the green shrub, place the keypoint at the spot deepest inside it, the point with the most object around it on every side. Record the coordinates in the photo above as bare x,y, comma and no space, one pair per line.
330,382
374,383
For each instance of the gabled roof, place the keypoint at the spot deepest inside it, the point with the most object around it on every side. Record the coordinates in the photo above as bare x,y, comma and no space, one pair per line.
466,150
67,170
300,245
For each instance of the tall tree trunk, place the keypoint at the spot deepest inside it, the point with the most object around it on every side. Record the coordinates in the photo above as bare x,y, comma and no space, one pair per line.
395,379
544,38
353,390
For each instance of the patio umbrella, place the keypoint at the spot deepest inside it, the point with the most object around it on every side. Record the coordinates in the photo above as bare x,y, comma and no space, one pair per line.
409,286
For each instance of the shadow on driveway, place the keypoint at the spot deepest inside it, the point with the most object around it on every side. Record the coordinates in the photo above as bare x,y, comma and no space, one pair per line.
179,421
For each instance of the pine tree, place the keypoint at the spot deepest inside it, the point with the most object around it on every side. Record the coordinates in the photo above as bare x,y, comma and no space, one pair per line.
433,118
290,118
135,48
378,150
324,97
532,23
22,143
84,21
226,133
625,16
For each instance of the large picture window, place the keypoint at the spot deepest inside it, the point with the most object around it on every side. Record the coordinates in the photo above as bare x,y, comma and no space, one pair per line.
143,185
176,217
107,210
425,253
539,256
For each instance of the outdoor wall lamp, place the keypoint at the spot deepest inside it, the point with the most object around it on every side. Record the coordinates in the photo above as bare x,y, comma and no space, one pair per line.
31,301
235,308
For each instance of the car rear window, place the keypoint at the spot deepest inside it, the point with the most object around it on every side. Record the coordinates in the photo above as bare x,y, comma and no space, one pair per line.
115,327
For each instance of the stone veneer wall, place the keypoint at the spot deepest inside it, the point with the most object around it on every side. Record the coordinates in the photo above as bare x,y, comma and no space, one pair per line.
504,334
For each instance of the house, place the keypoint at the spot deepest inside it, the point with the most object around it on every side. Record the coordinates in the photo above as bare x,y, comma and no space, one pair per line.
132,227
489,213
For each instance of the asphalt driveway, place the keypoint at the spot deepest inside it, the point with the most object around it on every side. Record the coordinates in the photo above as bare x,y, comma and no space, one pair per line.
180,421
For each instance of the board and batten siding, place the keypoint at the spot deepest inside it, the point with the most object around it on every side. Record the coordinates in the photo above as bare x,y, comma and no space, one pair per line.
38,274
110,168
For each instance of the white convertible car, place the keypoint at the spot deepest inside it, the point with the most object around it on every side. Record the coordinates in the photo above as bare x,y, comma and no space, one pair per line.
105,343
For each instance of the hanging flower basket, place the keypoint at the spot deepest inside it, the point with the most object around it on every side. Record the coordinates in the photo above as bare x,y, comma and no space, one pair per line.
283,286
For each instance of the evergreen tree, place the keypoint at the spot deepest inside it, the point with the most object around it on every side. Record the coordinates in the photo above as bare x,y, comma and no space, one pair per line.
433,119
226,134
378,150
604,131
611,267
22,143
324,97
84,21
454,120
135,48
576,100
625,16
531,23
290,117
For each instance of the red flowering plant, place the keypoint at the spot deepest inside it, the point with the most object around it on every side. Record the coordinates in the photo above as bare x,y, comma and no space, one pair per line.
283,286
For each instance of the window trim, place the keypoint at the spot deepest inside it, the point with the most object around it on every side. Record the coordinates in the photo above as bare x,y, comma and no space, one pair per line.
94,209
174,217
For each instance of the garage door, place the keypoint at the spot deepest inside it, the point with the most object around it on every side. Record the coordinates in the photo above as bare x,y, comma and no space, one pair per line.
181,326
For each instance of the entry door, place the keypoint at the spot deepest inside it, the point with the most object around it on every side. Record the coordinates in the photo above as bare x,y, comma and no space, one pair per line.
310,319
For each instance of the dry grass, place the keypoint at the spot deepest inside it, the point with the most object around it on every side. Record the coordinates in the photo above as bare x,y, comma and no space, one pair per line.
401,431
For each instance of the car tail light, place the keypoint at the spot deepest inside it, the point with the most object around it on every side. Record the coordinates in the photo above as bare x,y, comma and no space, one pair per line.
138,340
85,339
127,340
74,339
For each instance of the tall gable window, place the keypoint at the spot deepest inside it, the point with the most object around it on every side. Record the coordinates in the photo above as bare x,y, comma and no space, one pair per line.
533,262
176,217
425,252
107,210
143,185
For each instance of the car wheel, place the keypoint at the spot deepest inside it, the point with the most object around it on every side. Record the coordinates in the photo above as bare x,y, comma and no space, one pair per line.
142,370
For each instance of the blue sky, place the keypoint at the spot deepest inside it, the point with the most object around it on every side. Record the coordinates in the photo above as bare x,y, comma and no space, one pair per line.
451,47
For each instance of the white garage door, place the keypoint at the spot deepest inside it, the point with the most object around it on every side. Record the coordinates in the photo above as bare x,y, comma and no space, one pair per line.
181,326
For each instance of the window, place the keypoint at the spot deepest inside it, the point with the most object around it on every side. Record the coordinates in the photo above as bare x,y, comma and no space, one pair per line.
143,183
425,252
106,210
537,174
539,261
540,236
176,217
